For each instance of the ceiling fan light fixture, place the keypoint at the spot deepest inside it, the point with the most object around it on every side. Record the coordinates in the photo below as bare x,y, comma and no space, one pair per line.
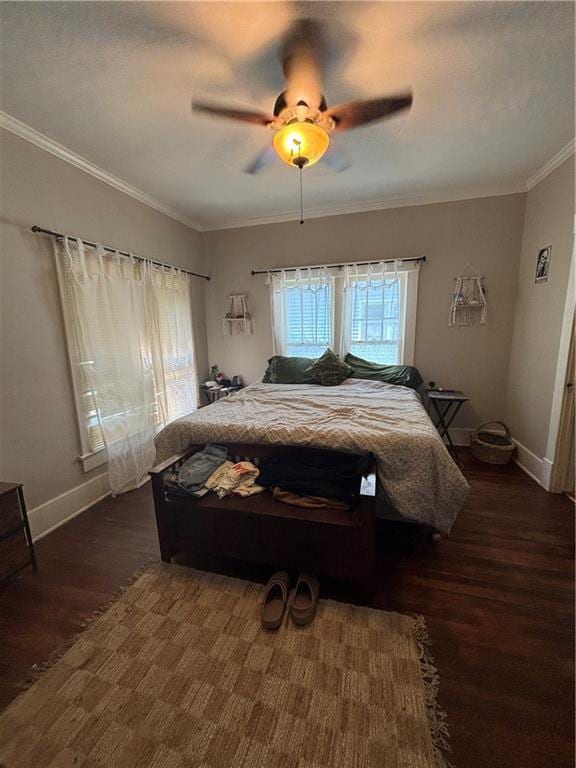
301,144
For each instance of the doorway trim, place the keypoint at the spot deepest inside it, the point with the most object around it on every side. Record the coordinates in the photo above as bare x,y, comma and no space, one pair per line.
561,372
562,477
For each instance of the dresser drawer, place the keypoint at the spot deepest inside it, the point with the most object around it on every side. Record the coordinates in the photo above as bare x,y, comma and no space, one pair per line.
10,515
14,554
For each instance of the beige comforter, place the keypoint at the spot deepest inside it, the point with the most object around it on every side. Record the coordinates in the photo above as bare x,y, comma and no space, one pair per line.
418,473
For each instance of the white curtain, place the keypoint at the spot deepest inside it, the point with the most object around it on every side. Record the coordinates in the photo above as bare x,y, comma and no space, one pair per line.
378,311
302,309
129,332
169,317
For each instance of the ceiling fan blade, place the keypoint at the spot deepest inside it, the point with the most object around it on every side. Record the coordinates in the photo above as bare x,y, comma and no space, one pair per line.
336,159
302,56
244,116
357,113
262,160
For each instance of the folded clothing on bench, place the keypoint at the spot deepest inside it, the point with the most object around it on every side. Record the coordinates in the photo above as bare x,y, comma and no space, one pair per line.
209,470
191,477
236,479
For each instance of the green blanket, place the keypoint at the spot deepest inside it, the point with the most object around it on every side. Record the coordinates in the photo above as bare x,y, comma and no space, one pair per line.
403,375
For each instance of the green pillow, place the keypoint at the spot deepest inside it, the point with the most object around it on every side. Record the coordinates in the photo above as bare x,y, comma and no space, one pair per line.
267,378
329,370
289,370
403,375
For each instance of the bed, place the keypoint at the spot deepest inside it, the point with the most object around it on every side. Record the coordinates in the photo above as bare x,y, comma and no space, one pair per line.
415,470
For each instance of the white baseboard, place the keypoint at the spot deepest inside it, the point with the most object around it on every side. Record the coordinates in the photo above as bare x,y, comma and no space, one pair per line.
547,468
50,515
530,463
538,469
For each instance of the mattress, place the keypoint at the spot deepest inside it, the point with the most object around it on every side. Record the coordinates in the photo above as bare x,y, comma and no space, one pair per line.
418,474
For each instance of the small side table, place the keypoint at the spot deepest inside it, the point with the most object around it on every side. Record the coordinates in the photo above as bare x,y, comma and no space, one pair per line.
446,404
16,546
213,394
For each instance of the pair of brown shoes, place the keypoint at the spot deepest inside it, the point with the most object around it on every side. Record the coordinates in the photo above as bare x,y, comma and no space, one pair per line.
301,601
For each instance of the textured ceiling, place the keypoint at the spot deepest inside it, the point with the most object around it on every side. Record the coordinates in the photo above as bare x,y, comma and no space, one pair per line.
493,91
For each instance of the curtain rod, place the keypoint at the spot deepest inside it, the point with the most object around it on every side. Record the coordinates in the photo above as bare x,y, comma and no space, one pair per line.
58,235
419,259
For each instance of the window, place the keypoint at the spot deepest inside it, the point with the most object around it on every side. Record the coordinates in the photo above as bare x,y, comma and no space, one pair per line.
308,319
94,436
173,361
379,317
376,319
376,304
303,315
130,343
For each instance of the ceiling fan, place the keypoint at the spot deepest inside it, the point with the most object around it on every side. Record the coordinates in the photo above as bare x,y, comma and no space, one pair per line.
301,120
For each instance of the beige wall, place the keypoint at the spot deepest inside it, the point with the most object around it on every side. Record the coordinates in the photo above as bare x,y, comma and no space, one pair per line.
487,232
540,308
39,442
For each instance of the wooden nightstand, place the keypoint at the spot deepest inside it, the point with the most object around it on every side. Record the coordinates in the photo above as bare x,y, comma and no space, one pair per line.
16,546
213,394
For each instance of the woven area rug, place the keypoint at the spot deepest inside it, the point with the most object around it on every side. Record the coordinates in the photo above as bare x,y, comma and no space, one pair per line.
179,673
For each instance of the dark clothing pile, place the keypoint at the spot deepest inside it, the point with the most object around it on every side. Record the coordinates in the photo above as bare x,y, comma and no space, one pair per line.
316,472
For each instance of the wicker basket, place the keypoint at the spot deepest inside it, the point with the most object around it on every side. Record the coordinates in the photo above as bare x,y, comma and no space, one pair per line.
490,445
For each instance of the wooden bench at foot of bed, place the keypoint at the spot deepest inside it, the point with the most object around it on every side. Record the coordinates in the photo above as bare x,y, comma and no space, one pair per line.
328,542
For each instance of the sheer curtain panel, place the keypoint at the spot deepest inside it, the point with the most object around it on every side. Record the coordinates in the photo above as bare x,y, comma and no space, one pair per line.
170,331
129,332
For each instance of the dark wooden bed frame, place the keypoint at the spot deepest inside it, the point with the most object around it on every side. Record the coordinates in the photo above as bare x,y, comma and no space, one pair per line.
260,529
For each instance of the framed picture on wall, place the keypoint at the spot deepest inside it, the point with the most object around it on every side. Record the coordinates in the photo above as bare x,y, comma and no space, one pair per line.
543,264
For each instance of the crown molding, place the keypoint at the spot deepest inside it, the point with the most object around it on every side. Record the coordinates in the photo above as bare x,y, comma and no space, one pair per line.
28,133
49,145
441,196
552,164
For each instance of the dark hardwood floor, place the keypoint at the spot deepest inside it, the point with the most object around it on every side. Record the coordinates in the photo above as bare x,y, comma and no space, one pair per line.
498,597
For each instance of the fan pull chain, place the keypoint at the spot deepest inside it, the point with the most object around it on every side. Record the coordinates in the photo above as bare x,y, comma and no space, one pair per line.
301,199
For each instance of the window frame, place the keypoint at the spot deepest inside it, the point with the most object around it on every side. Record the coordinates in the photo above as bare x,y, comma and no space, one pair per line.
408,284
398,343
410,314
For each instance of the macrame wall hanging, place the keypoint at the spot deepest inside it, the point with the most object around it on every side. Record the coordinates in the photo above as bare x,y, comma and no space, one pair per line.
237,321
469,299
